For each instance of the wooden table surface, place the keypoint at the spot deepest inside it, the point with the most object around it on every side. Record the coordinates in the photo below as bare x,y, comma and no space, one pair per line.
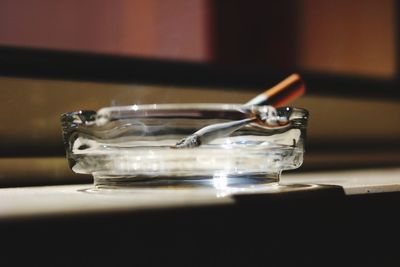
81,199
298,223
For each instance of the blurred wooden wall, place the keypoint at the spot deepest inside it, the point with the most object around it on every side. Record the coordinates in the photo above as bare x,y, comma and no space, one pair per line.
348,37
354,37
174,29
351,37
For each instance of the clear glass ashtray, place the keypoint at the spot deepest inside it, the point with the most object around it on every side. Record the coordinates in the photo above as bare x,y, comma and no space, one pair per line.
219,145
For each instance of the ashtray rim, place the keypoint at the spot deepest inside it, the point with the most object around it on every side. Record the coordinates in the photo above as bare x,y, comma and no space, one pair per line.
104,114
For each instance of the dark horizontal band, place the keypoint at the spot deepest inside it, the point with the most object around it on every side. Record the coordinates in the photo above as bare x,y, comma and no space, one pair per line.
50,64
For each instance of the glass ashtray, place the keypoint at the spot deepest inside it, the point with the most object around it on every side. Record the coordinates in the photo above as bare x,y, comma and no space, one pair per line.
218,145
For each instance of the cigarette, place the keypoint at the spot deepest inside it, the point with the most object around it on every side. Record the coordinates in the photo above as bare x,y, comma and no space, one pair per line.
206,134
290,88
211,132
277,96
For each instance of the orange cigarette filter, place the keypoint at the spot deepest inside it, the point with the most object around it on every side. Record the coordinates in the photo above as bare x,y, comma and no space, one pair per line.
281,94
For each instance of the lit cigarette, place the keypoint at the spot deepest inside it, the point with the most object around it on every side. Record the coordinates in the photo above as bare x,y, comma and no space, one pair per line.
282,93
290,88
206,134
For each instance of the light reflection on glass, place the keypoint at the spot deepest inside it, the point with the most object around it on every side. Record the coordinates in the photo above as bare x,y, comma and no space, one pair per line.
220,181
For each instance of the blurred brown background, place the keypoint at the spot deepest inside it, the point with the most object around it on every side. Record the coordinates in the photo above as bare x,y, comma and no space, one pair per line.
351,38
